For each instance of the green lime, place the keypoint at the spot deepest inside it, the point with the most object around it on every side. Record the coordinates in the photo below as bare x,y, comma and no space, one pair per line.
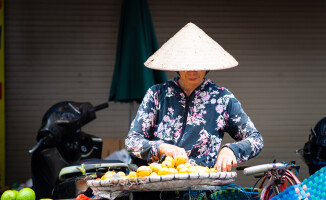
26,194
9,195
16,192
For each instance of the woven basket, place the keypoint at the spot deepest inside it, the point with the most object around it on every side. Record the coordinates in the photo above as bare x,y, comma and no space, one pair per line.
111,187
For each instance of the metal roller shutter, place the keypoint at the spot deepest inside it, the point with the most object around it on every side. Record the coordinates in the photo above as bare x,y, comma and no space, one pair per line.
65,50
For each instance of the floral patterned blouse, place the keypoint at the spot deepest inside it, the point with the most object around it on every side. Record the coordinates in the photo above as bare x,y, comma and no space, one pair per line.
196,123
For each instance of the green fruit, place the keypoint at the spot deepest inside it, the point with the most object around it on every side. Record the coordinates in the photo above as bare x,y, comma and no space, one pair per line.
9,195
26,194
15,191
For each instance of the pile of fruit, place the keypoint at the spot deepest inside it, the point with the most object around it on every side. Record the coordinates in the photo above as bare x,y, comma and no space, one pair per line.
168,166
23,194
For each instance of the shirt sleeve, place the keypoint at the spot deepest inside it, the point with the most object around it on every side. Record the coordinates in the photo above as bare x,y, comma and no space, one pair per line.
249,141
138,140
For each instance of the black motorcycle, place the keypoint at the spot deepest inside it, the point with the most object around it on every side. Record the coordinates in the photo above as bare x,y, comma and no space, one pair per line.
62,146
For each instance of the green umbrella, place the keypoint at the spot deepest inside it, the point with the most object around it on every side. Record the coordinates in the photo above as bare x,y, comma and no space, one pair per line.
136,42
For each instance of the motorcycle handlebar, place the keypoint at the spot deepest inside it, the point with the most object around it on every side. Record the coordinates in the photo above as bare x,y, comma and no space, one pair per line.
101,106
263,168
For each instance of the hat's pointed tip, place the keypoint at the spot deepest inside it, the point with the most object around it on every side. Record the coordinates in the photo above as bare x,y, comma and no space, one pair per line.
191,24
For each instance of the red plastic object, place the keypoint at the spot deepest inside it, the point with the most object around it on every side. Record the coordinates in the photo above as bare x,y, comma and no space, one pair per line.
82,197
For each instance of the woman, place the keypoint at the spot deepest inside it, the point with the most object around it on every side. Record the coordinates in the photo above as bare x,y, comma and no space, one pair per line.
188,115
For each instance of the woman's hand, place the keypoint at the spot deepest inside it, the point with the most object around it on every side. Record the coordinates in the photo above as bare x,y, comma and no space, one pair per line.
173,151
225,160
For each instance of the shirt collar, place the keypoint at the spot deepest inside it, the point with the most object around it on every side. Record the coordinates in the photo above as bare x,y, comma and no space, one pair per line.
176,85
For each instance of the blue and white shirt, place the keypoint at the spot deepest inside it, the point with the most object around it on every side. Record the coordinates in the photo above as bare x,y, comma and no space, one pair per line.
196,123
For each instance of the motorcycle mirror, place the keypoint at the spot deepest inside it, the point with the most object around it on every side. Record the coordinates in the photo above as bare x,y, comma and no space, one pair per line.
43,141
40,142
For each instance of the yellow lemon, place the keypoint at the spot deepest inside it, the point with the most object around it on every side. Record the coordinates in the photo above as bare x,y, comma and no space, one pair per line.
155,167
144,171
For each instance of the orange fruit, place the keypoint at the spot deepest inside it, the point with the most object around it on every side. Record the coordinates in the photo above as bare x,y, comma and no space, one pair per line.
163,171
188,165
183,170
155,167
167,164
144,171
201,169
181,166
212,170
132,174
192,169
169,158
153,174
172,171
107,175
179,160
122,174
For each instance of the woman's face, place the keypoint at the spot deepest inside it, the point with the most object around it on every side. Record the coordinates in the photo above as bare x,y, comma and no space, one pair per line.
192,78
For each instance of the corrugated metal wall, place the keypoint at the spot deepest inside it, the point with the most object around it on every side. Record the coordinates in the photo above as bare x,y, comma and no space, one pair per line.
65,50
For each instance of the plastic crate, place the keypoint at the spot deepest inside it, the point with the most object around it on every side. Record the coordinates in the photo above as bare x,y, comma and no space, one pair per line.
236,193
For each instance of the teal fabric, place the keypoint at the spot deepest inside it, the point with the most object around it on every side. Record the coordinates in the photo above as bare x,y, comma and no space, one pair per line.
312,187
136,42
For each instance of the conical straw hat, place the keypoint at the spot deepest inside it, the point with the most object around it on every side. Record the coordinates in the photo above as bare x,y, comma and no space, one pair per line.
190,49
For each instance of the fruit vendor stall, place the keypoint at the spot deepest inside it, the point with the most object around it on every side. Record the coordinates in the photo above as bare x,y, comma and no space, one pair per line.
170,175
